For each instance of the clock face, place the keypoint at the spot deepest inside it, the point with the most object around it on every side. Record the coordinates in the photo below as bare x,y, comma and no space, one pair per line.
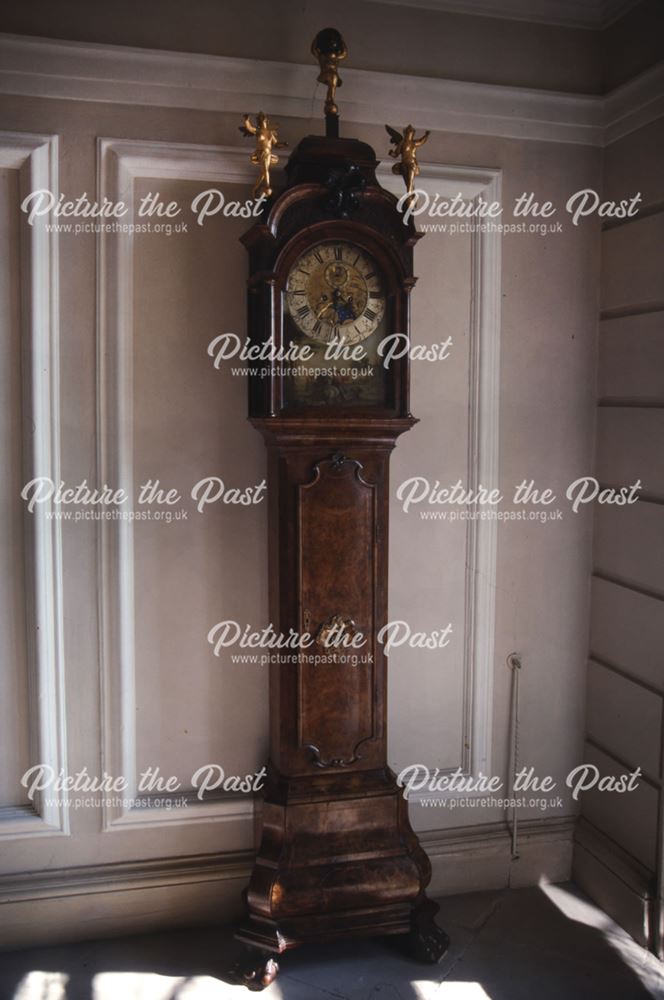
335,292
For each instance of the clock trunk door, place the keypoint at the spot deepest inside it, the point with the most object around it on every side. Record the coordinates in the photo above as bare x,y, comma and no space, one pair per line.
338,567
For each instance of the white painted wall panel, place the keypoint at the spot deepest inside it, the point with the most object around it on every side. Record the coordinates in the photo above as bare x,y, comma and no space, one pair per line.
628,544
630,445
631,358
627,623
625,718
29,442
630,818
190,423
14,709
632,263
428,559
627,629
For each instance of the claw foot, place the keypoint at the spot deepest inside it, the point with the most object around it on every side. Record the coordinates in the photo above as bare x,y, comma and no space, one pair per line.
256,969
425,942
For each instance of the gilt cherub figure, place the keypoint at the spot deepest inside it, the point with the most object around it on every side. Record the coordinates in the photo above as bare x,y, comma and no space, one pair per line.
406,147
329,49
267,139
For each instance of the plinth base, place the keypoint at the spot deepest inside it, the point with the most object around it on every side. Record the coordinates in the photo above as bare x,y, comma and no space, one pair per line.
412,930
338,859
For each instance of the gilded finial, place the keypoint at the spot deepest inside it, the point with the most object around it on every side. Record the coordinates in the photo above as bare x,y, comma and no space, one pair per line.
266,139
406,147
329,49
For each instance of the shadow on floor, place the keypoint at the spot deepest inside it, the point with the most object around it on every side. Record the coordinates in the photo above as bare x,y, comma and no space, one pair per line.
525,944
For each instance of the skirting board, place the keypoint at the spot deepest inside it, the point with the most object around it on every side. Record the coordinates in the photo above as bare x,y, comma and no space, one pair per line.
100,901
476,858
615,881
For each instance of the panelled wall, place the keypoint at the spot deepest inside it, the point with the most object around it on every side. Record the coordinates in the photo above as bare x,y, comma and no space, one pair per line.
123,390
140,399
619,850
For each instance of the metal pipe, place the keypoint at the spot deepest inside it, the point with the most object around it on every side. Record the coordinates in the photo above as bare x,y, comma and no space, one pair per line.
514,663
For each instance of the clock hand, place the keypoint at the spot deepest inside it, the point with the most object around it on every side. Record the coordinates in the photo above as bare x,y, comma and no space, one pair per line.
323,309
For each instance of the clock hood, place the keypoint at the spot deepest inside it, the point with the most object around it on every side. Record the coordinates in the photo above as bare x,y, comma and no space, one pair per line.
316,157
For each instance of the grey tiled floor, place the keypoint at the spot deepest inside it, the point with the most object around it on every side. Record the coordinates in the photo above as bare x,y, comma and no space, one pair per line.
525,944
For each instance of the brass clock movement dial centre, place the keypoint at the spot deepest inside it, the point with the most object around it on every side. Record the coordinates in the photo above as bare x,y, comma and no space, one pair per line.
334,292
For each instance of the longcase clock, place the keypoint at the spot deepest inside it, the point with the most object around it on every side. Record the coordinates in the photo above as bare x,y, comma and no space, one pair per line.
331,266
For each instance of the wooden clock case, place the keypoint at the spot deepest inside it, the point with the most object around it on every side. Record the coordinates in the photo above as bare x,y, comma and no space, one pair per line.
337,855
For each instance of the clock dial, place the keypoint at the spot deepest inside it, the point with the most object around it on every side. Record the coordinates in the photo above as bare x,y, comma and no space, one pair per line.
335,292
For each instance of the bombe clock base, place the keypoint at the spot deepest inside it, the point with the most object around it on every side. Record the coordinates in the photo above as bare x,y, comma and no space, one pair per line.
332,868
